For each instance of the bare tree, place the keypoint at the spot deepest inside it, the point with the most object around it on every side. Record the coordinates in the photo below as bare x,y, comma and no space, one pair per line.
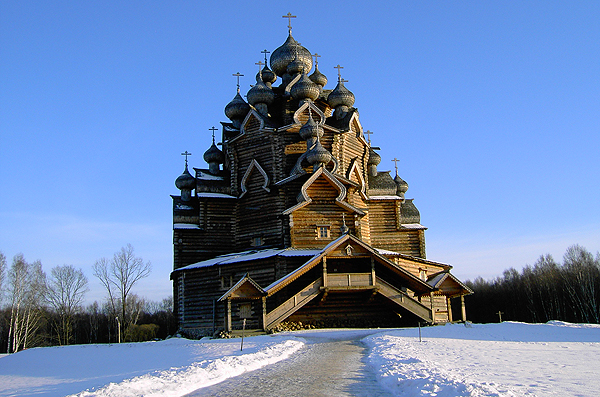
118,276
26,287
65,290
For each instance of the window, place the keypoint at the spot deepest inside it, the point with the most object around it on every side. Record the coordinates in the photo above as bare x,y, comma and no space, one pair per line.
323,232
423,274
257,242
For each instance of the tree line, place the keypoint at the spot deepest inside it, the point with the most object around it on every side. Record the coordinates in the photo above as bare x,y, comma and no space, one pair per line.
548,290
39,309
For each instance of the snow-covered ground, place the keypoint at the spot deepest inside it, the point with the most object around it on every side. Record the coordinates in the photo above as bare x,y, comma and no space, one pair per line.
508,359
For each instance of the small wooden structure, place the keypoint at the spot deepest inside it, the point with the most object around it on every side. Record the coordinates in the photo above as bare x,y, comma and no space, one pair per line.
292,221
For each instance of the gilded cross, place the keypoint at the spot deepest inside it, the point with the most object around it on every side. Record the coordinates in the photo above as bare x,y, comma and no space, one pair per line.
289,16
395,160
238,75
260,64
368,133
265,52
317,56
339,68
186,154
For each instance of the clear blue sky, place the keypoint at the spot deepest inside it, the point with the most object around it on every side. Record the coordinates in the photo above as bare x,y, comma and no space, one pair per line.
492,107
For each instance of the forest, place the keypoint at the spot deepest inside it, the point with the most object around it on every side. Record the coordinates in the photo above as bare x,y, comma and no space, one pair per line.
547,290
39,309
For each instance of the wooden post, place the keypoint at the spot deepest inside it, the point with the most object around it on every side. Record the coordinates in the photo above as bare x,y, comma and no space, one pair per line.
324,271
372,271
449,304
264,313
464,309
432,308
228,317
243,330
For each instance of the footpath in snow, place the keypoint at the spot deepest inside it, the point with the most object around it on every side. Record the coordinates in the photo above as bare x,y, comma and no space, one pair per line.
508,359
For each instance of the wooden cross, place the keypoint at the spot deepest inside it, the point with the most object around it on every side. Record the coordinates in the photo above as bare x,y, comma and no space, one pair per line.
368,136
186,154
343,81
317,56
260,65
289,16
500,315
265,52
238,75
339,68
213,129
395,160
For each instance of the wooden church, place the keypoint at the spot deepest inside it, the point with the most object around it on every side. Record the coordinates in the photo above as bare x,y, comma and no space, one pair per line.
293,222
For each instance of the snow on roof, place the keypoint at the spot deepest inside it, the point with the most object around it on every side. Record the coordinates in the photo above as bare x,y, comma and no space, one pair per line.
381,251
413,226
206,176
249,256
215,195
185,226
180,206
385,197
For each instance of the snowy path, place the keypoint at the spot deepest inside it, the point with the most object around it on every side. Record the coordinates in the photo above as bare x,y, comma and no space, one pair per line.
329,365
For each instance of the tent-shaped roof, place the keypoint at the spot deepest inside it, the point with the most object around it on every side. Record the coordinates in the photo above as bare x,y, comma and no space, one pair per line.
447,284
246,288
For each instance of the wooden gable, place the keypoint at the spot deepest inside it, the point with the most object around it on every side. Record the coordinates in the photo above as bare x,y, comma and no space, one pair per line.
244,289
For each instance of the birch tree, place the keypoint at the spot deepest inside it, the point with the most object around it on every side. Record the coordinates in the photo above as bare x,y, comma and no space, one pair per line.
26,288
66,290
118,276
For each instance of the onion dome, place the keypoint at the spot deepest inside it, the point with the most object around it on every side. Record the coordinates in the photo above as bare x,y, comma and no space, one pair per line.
340,96
305,88
185,181
214,155
260,93
318,155
237,109
401,186
310,129
267,75
374,158
318,78
286,53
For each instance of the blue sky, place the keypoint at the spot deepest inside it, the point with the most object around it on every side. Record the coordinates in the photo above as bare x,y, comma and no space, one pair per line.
492,108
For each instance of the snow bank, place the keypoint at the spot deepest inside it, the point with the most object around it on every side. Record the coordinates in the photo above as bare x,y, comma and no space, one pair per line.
177,365
508,359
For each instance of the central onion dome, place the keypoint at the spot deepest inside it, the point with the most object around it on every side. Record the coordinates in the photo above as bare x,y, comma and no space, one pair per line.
401,186
284,55
305,88
340,96
214,155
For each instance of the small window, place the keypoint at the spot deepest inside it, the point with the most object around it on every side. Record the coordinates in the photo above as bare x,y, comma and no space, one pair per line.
257,241
423,274
323,232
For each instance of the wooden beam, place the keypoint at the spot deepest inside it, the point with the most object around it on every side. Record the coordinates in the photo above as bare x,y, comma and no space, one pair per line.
449,304
464,309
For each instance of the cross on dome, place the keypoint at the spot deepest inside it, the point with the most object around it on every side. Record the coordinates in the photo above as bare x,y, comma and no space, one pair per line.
186,154
213,129
395,160
265,52
238,75
368,133
289,16
260,64
339,68
317,56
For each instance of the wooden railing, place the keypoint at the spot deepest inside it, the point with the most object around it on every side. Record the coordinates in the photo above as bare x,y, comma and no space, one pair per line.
290,306
349,280
404,300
